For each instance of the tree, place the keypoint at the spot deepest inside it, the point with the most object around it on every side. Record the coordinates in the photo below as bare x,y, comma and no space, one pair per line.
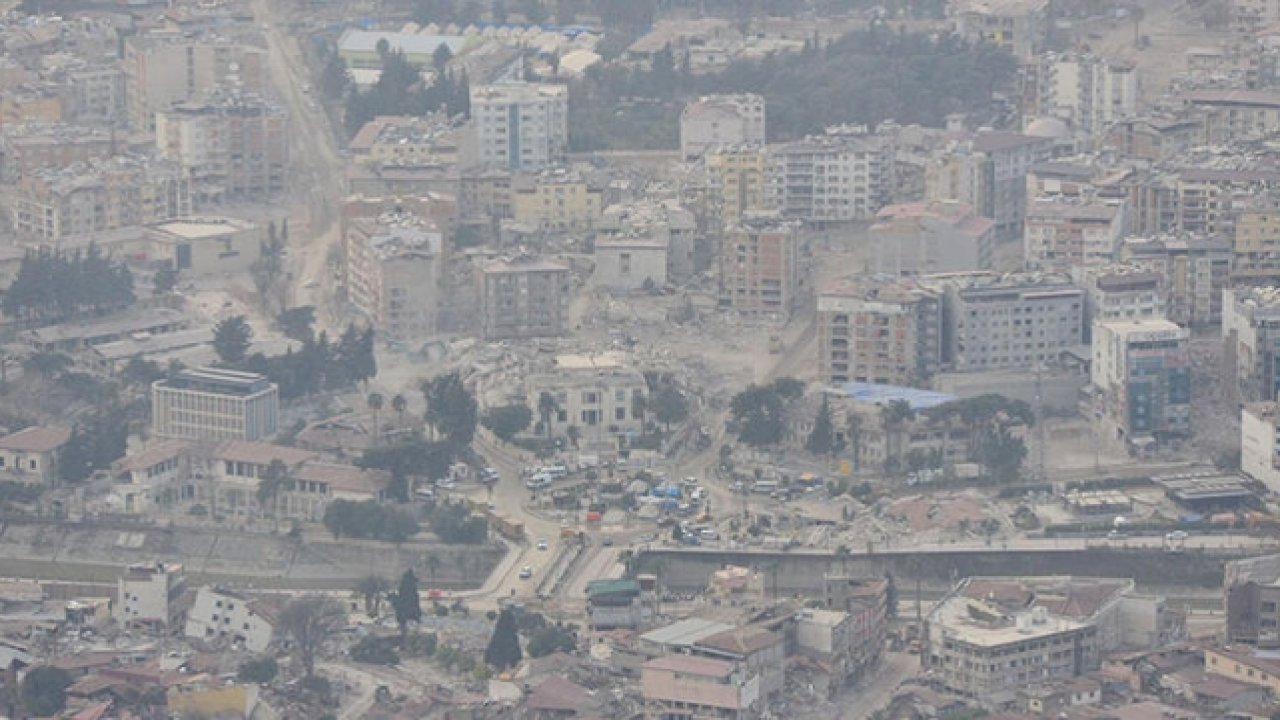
375,404
335,79
670,405
548,406
451,409
507,421
893,418
759,415
406,603
268,269
369,519
399,403
47,364
260,671
374,651
231,338
274,476
96,441
372,588
44,690
52,286
454,524
822,438
574,433
441,57
308,621
552,638
503,651
164,281
139,372
296,323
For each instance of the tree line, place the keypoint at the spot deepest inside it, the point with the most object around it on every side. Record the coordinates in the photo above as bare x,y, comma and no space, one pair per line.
319,365
400,89
58,286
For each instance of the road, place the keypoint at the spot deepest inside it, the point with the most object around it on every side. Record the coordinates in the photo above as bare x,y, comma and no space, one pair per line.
875,692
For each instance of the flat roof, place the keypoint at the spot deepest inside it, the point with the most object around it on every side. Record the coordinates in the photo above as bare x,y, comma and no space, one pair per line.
690,665
127,322
879,394
353,40
217,380
685,632
202,228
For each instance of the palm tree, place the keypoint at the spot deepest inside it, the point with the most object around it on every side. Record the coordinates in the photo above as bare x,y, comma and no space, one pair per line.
547,407
375,404
400,403
273,478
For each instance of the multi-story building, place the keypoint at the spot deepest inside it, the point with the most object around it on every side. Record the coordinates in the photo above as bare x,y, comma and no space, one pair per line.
930,237
1252,592
1087,91
1141,377
1119,292
204,246
1251,335
235,145
697,687
1010,322
397,141
150,595
484,194
991,637
1061,233
214,404
628,604
1255,246
523,297
628,263
519,125
717,120
106,194
555,201
219,616
1233,116
759,272
394,266
1250,16
879,332
1019,26
738,176
988,172
1195,272
664,221
1260,445
844,174
165,67
31,454
596,393
96,94
24,149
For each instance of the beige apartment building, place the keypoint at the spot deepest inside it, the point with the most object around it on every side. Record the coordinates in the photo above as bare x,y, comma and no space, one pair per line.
1061,233
879,332
683,686
555,201
234,145
394,265
759,273
1255,246
214,404
738,178
523,297
164,67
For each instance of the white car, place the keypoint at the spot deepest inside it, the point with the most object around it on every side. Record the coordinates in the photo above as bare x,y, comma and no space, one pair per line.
542,544
526,572
446,484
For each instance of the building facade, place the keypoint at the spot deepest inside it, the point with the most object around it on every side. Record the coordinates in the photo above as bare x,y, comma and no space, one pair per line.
759,268
888,333
150,595
214,404
738,179
1012,322
234,145
520,126
523,297
1251,333
1141,377
394,266
716,120
930,237
1062,234
599,394
843,175
165,67
555,201
1260,443
220,616
1087,91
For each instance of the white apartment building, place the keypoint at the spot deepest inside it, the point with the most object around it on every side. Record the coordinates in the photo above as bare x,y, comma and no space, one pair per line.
150,595
221,616
1062,233
1019,26
1260,443
519,125
1087,91
1119,292
661,220
1251,330
1011,322
842,175
719,120
214,404
394,265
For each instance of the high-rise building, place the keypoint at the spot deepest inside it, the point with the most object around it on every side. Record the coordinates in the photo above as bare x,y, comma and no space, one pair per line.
718,120
989,172
522,298
1141,376
738,180
165,67
930,237
1085,90
842,175
235,145
519,125
214,404
759,271
1062,233
879,332
394,266
1195,270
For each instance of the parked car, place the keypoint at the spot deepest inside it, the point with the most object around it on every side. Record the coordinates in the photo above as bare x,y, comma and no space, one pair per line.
526,572
542,544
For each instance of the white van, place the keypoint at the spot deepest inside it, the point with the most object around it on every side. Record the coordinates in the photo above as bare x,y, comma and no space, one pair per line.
765,487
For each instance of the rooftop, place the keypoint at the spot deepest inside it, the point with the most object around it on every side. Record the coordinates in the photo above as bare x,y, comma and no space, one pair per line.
258,453
685,632
217,380
366,41
690,665
878,394
36,439
201,228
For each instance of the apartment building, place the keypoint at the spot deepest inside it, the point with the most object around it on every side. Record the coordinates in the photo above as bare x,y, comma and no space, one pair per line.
930,237
596,393
394,267
150,594
397,141
887,332
1260,446
219,616
1010,322
759,271
988,171
49,206
96,94
484,194
630,263
1252,592
1251,335
214,404
555,201
665,221
719,120
685,686
1250,16
234,145
1195,269
738,176
1141,378
1062,233
24,149
523,297
1235,115
991,637
1087,91
164,67
1255,245
842,175
519,125
1119,292
1019,26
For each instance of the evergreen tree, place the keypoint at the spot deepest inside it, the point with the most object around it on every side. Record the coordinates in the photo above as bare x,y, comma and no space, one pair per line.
451,409
822,438
406,603
335,79
503,651
231,339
